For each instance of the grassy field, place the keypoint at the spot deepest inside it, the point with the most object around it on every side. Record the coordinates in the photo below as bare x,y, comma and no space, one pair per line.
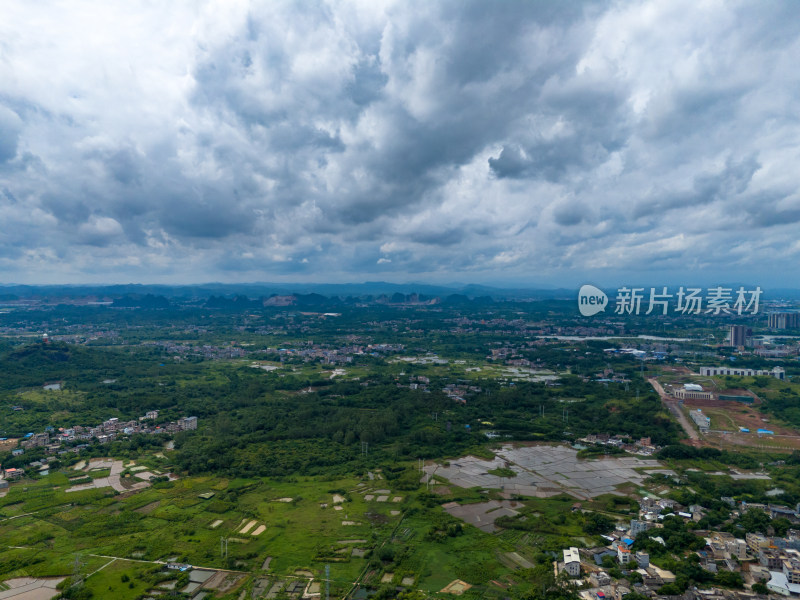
117,541
297,523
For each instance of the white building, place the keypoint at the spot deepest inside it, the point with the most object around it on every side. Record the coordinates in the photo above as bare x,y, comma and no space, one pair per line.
777,372
685,394
572,562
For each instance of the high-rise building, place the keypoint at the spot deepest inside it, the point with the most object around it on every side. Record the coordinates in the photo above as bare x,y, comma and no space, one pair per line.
783,320
738,335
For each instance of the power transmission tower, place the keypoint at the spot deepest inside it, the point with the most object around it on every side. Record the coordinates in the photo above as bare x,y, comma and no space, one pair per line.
77,576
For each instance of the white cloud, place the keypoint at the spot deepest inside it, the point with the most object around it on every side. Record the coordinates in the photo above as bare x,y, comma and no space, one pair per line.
227,140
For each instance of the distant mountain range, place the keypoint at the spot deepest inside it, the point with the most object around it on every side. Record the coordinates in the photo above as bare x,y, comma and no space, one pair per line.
369,289
258,290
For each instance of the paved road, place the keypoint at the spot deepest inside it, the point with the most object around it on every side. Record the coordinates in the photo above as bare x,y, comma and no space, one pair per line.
136,560
673,407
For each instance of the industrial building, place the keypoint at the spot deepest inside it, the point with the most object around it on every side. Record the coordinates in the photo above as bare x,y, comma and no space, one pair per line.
702,421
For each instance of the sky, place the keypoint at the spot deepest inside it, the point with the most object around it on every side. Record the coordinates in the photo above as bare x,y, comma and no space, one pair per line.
525,143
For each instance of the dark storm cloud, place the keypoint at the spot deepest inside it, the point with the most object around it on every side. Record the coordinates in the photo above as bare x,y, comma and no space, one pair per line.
124,165
572,213
342,140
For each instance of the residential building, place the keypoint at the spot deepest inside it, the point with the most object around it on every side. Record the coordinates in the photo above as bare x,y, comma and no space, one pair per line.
638,527
572,562
600,578
187,423
770,558
738,335
757,541
11,474
738,548
791,568
783,320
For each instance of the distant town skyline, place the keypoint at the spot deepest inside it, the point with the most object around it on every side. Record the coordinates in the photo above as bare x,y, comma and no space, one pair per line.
527,144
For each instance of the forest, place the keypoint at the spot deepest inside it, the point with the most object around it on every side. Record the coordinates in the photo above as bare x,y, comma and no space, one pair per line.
269,423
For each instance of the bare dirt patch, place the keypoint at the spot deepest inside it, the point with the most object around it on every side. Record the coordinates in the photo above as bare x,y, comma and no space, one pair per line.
9,444
482,515
456,587
248,527
223,582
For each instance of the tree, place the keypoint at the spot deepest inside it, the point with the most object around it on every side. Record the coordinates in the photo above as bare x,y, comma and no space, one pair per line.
760,588
729,579
546,586
598,524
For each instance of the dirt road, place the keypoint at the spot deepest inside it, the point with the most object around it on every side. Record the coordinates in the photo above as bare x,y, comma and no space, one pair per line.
673,407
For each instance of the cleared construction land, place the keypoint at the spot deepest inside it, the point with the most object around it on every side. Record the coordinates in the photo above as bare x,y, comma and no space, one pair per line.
547,470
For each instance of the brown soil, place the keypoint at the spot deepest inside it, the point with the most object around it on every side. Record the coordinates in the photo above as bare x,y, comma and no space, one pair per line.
745,415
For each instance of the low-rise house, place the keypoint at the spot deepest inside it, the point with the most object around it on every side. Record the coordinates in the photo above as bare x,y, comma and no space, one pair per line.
650,578
770,558
12,473
638,527
791,566
666,576
757,541
599,555
738,548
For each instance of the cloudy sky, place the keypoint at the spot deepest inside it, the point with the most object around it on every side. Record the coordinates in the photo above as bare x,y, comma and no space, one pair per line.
498,142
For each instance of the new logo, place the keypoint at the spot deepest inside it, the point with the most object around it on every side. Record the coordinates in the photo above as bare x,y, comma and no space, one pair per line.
591,300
